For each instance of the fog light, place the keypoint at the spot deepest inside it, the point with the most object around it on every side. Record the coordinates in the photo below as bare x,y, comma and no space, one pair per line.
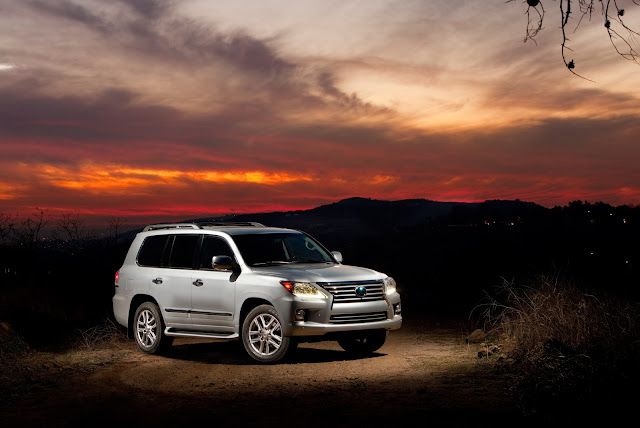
300,314
397,309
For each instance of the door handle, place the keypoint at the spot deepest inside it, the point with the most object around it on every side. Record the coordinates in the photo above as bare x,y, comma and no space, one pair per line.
198,283
157,281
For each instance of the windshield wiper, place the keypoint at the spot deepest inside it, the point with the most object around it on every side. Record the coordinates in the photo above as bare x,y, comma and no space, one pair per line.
299,260
270,263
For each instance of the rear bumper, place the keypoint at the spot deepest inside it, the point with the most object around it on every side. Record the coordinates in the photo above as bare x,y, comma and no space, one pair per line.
121,309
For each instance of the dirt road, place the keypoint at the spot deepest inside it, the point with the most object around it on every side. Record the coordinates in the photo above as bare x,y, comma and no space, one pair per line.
424,374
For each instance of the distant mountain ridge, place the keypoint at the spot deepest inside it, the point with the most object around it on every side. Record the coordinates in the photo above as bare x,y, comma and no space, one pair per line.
358,212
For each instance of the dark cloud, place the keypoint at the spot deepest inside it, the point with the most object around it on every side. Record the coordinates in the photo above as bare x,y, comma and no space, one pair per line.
263,79
72,11
150,8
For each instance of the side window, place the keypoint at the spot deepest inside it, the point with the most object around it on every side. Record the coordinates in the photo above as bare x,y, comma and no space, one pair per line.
213,246
184,248
152,250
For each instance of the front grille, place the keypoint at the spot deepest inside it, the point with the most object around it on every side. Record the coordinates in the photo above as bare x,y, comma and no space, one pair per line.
345,292
358,318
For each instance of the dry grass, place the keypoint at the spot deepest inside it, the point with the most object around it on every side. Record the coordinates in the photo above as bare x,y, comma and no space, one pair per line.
26,370
567,344
107,332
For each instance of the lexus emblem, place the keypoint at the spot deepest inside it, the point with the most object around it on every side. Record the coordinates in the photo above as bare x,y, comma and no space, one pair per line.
361,291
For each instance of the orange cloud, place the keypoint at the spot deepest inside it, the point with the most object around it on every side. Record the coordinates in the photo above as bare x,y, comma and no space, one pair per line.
107,178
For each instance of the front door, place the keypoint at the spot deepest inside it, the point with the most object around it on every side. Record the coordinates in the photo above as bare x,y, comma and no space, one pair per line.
213,291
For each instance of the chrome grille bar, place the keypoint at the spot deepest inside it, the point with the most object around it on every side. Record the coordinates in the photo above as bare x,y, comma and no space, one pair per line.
345,292
358,318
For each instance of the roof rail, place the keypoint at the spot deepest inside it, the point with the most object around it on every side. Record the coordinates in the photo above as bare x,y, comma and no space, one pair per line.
201,225
231,223
171,226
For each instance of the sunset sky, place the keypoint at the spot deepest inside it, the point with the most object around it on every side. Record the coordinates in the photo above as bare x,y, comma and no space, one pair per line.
150,109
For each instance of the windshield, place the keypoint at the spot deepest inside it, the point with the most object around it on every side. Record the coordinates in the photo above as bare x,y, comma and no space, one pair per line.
266,249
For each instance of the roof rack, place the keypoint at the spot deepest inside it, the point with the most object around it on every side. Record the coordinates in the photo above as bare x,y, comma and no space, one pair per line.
231,223
171,226
200,225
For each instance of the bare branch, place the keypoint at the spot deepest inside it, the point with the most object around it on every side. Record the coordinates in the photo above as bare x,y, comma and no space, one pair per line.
73,227
31,227
623,38
628,52
7,228
565,20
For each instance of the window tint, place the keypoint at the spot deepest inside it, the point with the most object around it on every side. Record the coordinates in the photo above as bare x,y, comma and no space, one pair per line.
184,247
152,249
213,246
277,248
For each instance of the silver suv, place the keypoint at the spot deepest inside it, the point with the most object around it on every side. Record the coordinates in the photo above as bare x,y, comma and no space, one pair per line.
269,287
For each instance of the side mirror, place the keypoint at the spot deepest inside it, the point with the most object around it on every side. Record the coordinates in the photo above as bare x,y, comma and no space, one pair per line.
222,262
337,255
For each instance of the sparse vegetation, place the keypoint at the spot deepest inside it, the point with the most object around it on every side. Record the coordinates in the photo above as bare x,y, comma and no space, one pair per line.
107,332
568,346
27,370
11,345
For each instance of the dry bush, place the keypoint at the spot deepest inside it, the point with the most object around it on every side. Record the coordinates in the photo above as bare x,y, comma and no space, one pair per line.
568,344
107,332
532,316
12,346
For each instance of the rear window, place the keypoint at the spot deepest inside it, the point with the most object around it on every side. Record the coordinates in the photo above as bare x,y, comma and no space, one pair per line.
175,251
152,250
184,248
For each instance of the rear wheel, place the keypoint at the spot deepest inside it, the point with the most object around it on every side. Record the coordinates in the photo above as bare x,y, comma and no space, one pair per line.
262,335
363,343
148,329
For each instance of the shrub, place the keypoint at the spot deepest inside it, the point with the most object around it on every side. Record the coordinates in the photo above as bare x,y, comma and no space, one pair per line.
106,332
568,344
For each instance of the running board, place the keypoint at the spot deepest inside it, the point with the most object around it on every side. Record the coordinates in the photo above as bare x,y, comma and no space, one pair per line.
208,335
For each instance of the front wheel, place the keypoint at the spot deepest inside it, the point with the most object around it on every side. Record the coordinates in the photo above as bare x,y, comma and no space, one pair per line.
262,335
149,329
363,343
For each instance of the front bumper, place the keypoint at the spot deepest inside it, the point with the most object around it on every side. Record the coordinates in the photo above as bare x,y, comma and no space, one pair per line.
303,328
324,317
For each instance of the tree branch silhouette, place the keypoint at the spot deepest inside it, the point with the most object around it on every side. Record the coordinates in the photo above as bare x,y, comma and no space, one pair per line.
623,37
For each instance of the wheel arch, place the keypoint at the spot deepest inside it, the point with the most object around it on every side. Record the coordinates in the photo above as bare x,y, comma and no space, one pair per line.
136,301
247,306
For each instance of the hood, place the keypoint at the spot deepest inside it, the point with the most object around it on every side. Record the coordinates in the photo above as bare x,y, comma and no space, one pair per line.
318,272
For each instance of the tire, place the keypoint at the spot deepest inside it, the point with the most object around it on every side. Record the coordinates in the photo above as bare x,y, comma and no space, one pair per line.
262,335
148,329
363,343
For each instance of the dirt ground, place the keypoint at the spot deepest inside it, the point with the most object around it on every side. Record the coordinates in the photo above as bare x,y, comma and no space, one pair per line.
424,374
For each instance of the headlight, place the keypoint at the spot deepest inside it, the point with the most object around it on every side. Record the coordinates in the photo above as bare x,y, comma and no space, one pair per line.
389,285
302,289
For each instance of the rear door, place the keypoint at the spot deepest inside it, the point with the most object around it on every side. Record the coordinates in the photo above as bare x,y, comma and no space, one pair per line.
177,278
171,262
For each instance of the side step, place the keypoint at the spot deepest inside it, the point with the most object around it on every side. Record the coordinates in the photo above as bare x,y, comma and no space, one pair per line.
208,335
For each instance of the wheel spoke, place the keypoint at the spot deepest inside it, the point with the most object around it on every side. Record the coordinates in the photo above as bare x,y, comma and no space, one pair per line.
273,342
262,321
271,320
276,338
